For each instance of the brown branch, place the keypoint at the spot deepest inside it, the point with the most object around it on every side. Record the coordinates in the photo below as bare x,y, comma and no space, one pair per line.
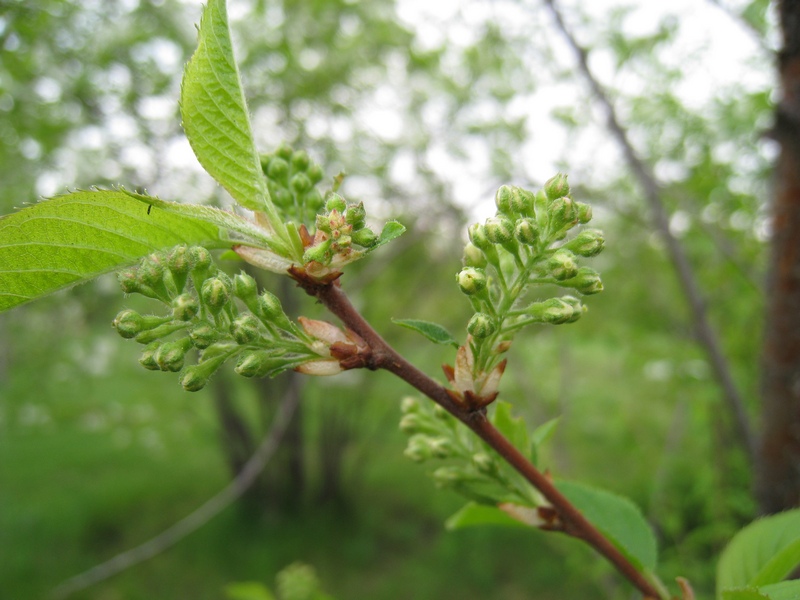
383,356
691,290
195,520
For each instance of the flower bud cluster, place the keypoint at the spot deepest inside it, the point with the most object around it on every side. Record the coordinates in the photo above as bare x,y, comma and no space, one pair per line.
526,243
292,178
204,315
469,466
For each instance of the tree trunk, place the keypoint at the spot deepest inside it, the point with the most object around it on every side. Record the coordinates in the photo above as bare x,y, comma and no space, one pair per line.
778,485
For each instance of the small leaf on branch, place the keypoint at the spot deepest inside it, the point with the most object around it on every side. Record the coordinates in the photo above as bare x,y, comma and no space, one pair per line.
473,514
434,332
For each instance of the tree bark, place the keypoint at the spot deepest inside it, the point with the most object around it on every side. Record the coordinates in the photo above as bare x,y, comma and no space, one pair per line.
778,485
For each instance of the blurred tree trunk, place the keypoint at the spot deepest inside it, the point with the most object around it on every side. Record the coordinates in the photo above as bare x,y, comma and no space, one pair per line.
778,486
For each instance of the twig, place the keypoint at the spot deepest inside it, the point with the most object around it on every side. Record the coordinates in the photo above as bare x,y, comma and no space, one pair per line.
652,192
195,520
383,356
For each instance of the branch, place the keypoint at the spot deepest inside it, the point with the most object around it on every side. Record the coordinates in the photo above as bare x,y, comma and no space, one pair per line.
195,520
383,356
652,193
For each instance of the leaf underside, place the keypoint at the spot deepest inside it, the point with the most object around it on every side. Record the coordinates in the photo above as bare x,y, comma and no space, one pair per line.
433,331
71,239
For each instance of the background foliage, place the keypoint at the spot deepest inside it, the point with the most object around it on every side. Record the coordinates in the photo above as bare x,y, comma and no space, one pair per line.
429,113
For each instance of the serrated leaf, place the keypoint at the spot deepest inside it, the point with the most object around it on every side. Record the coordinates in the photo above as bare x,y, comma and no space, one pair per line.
473,514
785,590
215,116
764,552
434,332
513,428
71,239
617,518
390,231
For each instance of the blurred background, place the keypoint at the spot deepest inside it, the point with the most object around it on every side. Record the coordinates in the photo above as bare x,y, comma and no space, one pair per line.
429,107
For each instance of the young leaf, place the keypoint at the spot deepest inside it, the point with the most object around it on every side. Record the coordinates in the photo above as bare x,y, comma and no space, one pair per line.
215,116
618,518
432,331
248,590
390,231
764,552
513,428
786,590
472,514
73,238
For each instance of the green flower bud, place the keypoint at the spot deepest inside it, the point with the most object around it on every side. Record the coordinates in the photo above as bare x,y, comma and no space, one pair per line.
522,202
366,238
412,423
129,281
300,183
246,288
147,358
323,223
195,377
499,230
185,307
577,307
473,257
418,449
589,242
335,202
562,265
170,355
471,280
502,199
450,476
278,169
264,159
441,413
282,197
284,151
526,231
584,212
245,329
258,363
151,271
556,187
554,311
270,306
481,326
320,253
203,335
355,215
562,214
587,281
178,263
484,464
479,237
300,160
409,404
130,323
215,294
314,199
200,259
315,174
442,448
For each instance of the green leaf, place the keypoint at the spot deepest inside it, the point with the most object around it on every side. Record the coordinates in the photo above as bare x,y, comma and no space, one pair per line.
617,518
392,230
786,590
473,514
514,428
215,116
544,431
764,552
73,238
434,332
248,590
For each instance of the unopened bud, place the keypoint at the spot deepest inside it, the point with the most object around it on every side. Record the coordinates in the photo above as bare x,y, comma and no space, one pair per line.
129,323
364,237
481,326
409,404
587,281
320,253
278,169
526,231
473,256
203,335
284,151
151,271
471,280
170,355
522,202
554,311
258,363
484,463
128,281
589,242
335,202
442,448
270,306
315,173
245,329
499,230
450,476
195,377
502,199
199,259
314,199
411,423
215,293
185,307
584,212
178,264
300,160
147,358
556,187
418,449
577,307
246,288
355,215
300,183
478,236
562,265
562,213
282,197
